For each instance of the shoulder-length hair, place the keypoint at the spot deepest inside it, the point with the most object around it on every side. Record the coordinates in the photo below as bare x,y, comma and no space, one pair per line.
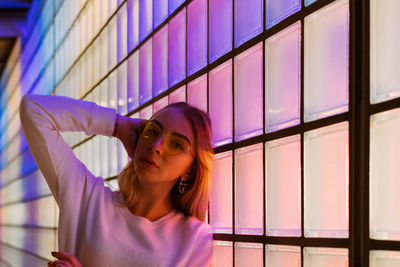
194,201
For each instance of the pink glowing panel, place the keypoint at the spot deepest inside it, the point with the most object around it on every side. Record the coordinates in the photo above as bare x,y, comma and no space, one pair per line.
249,190
197,93
282,161
326,61
248,254
326,181
197,36
146,113
160,61
122,37
384,53
282,256
277,10
133,24
220,28
173,5
220,103
145,18
248,20
160,12
384,258
122,89
133,81
160,104
248,86
112,43
112,103
223,253
384,175
221,194
326,257
179,95
145,72
282,79
177,48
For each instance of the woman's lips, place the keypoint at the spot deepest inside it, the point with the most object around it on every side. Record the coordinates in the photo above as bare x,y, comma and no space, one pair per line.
149,162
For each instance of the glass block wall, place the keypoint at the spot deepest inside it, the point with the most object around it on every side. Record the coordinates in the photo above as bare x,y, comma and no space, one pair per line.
304,96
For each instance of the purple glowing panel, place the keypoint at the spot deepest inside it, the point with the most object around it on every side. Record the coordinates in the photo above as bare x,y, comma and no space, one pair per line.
248,20
133,24
220,30
248,80
122,40
173,5
282,79
220,103
160,12
197,93
145,72
145,18
326,61
177,48
277,10
197,36
309,2
133,81
160,61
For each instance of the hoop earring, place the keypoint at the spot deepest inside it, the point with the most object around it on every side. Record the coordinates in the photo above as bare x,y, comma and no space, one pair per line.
183,185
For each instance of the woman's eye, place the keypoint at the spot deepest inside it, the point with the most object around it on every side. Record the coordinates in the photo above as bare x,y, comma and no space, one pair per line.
177,145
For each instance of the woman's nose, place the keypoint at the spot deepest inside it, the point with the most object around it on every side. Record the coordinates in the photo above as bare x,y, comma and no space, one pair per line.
157,146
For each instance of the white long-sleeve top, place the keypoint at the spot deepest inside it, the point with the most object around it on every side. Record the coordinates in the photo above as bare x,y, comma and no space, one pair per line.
91,225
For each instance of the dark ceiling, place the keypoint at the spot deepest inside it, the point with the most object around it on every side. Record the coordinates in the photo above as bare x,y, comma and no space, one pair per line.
12,25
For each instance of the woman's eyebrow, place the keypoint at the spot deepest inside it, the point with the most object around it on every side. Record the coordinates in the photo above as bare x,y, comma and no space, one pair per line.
173,133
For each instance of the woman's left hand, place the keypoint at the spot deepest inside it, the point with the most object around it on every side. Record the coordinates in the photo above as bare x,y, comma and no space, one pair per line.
65,259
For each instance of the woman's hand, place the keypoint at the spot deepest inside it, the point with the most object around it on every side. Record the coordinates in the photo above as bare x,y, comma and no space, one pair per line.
65,259
127,133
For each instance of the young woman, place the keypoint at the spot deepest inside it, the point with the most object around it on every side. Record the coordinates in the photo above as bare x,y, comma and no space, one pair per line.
157,217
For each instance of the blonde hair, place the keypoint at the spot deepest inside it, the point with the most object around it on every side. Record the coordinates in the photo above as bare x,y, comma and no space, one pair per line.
194,201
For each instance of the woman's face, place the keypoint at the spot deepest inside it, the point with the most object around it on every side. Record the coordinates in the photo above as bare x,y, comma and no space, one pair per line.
152,163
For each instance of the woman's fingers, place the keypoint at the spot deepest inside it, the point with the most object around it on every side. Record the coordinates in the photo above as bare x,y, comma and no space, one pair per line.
68,259
59,263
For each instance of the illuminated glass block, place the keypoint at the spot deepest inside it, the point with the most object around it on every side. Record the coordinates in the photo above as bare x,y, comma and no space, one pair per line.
133,81
278,10
89,20
282,256
248,20
112,103
309,2
220,29
122,158
249,190
384,52
122,89
384,175
145,72
145,18
112,6
248,86
326,257
326,61
122,37
248,254
103,52
173,5
160,12
82,30
146,113
197,36
283,196
221,194
326,181
177,48
96,60
133,24
160,61
282,79
112,43
160,104
103,142
220,103
96,155
384,258
197,93
223,253
179,95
